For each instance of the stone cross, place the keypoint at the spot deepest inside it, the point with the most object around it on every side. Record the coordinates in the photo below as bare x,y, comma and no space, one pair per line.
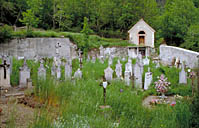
24,74
78,74
42,71
104,84
108,72
118,69
182,76
138,70
57,46
129,67
148,79
4,75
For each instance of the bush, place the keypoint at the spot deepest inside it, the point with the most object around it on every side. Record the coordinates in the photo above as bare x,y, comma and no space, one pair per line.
5,33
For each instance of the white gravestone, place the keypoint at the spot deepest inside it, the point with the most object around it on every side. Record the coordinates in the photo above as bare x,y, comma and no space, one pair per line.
53,70
93,59
4,75
108,72
42,72
129,67
101,50
105,84
78,74
127,76
138,75
146,61
118,69
58,72
24,74
132,53
183,76
88,58
148,79
110,60
102,59
68,70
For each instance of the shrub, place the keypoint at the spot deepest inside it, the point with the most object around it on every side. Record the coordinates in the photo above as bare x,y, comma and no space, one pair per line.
5,33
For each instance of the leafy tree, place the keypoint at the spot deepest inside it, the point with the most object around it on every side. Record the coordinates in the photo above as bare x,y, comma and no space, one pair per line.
29,19
192,38
178,16
5,33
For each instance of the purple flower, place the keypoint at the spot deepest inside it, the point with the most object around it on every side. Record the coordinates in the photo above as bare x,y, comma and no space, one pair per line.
121,90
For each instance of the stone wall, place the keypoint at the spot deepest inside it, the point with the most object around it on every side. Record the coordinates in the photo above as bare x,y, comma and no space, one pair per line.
40,47
168,53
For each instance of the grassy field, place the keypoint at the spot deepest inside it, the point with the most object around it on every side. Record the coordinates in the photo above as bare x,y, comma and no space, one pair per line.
77,103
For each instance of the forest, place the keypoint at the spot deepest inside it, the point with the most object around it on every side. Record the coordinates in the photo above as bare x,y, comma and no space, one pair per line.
175,21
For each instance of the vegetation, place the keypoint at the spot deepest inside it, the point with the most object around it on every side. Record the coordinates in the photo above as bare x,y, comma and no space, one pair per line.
173,20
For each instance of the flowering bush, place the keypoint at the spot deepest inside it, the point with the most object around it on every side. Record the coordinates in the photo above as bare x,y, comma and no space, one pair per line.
162,85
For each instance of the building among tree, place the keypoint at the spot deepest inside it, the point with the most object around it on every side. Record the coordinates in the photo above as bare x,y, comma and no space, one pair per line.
142,35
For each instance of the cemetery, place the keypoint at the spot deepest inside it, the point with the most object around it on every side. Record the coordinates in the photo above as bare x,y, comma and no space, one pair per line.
84,80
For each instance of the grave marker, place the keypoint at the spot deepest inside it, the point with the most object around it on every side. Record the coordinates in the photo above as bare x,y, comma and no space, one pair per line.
118,69
108,72
4,75
182,76
24,74
148,79
78,74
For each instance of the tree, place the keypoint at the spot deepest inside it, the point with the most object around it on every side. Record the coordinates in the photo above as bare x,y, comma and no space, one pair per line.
192,38
29,19
178,16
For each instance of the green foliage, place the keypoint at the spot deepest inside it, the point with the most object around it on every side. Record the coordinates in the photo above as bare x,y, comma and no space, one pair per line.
29,19
5,33
192,38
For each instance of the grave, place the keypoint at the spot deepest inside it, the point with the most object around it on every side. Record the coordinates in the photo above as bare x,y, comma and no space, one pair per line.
101,50
68,71
53,70
42,71
146,61
148,79
93,59
129,67
118,69
78,74
138,70
58,72
4,75
108,73
24,74
182,76
127,75
110,61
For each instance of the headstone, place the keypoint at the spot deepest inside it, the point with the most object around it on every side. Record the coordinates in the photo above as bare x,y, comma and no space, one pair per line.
24,74
58,72
101,50
183,76
57,46
148,79
129,67
138,70
118,69
132,53
101,59
42,72
108,72
4,75
157,65
68,71
177,63
93,59
110,61
88,58
53,70
127,75
29,83
146,61
78,74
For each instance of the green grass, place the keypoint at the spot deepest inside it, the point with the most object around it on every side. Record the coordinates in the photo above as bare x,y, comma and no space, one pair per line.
77,102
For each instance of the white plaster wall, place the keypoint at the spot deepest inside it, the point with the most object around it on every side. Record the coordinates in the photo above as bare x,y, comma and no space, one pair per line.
167,53
42,47
142,26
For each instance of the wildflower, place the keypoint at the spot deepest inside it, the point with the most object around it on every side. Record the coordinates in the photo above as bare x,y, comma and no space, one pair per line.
121,90
173,104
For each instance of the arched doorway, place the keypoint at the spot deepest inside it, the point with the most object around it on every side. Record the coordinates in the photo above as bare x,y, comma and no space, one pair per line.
141,37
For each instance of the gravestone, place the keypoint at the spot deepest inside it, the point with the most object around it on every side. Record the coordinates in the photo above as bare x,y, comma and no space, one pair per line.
78,74
127,75
182,76
101,50
148,79
101,59
68,71
88,58
110,61
4,75
24,74
129,67
42,72
53,70
138,70
58,72
118,69
177,63
108,72
93,59
146,61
